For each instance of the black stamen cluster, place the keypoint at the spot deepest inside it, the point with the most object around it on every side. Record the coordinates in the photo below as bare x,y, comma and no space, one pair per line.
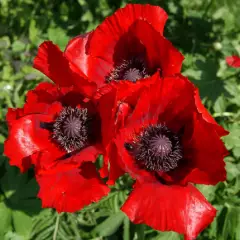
131,70
157,148
71,128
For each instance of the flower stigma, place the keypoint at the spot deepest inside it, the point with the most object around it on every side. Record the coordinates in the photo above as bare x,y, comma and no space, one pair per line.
131,70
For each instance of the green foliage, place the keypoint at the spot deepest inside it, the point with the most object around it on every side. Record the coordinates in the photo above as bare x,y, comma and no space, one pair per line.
205,31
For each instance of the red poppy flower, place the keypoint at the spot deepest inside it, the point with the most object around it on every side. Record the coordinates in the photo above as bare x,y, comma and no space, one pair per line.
56,130
115,105
233,61
128,45
167,141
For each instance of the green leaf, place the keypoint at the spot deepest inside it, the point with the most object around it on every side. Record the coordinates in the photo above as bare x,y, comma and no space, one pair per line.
207,190
58,36
236,152
33,32
232,140
110,225
22,224
6,218
7,72
4,42
18,46
140,235
230,224
210,85
13,236
20,192
168,236
232,171
220,105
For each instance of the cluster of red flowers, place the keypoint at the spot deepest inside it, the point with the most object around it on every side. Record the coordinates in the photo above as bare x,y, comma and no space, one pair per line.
118,91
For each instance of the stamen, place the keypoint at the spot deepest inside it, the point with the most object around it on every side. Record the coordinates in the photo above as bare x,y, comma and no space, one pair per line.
71,129
156,148
131,70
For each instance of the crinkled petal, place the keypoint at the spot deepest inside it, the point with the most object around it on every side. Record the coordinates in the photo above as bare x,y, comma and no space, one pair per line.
13,114
25,138
177,102
160,52
51,61
116,169
70,191
53,159
46,92
206,116
169,208
26,135
203,160
108,33
76,52
233,61
103,41
206,152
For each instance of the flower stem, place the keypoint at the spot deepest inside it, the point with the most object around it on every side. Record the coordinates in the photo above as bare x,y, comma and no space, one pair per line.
56,227
126,229
140,231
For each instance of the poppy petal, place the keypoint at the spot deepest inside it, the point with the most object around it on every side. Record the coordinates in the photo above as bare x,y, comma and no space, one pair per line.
70,191
206,152
104,39
94,68
51,61
206,116
25,138
116,170
160,52
53,159
76,52
169,208
116,25
233,61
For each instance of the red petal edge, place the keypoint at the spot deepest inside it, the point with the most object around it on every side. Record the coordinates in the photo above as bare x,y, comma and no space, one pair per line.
233,61
206,115
53,64
25,138
51,61
170,208
70,191
75,52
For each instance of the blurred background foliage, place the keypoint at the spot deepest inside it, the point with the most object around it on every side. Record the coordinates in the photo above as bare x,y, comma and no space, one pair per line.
206,31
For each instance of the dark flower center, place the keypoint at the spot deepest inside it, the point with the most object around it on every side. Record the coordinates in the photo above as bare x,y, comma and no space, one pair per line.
71,128
156,148
131,70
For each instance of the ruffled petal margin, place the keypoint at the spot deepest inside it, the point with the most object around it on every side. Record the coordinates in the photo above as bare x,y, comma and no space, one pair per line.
169,208
233,61
25,139
206,116
116,25
70,191
52,62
